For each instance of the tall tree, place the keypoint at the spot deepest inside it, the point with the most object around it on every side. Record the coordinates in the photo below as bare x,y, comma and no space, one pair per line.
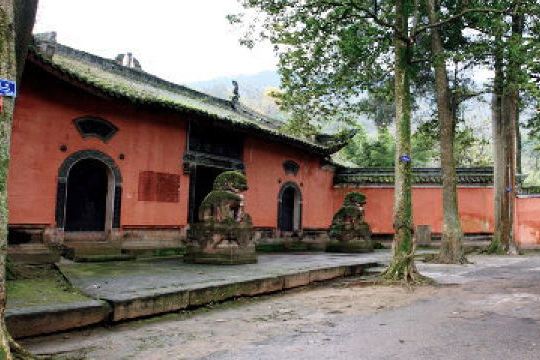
16,23
513,76
331,52
402,265
452,234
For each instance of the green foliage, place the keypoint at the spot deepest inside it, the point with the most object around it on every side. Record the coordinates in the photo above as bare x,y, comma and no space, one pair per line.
351,214
366,151
347,211
217,197
329,53
230,181
355,198
470,149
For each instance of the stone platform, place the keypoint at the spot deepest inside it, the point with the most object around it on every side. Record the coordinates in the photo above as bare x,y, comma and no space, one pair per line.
135,289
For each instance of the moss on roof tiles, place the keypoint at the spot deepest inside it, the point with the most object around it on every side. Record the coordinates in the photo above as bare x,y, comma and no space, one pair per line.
142,92
426,176
139,87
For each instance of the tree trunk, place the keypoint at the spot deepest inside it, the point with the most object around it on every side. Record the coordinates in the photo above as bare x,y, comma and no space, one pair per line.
11,66
451,251
511,121
505,128
519,146
499,153
402,266
8,70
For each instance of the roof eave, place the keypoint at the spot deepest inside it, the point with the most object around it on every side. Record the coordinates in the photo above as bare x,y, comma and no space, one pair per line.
81,83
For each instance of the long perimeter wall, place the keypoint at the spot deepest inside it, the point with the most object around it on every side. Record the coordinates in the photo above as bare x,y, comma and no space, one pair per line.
475,209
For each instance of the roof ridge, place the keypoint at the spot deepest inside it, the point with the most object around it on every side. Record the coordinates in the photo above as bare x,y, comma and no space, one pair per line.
467,170
138,75
143,76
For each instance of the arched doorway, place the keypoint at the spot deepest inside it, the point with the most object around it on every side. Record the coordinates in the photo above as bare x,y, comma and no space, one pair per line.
87,193
290,208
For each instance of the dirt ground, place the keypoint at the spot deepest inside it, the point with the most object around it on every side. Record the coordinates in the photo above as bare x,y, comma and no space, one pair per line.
231,325
486,310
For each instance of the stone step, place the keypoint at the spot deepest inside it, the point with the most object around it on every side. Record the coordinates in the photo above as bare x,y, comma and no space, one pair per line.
149,244
83,236
103,258
78,249
32,253
376,270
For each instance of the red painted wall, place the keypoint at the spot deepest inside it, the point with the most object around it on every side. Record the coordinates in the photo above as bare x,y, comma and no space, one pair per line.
264,170
156,141
43,121
527,221
475,208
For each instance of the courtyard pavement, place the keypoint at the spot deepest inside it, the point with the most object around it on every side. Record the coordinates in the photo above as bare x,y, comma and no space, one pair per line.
489,309
122,290
126,279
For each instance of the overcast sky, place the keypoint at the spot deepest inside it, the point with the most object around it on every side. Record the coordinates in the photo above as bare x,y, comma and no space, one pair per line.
180,40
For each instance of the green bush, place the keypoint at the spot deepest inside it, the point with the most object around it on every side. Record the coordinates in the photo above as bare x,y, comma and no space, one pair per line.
229,180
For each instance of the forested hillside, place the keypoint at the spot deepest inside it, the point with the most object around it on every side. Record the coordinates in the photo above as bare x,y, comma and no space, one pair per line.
375,143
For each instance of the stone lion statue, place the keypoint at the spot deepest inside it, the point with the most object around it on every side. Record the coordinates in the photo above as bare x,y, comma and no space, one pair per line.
349,232
224,235
225,203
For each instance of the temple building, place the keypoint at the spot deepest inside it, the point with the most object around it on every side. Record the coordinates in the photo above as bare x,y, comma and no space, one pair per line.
107,157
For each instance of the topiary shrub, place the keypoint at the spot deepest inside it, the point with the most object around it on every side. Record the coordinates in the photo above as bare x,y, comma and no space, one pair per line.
355,198
230,181
218,197
340,218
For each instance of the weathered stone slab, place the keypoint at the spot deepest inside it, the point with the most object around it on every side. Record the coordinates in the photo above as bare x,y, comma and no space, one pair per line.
359,269
23,322
212,293
260,286
226,257
327,274
295,280
149,305
32,253
423,235
353,246
145,288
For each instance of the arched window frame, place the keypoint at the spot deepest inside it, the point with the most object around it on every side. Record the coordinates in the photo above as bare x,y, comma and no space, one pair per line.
79,125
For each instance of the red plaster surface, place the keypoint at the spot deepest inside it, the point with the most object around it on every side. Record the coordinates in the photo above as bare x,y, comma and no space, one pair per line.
155,142
475,208
264,170
44,121
155,186
527,229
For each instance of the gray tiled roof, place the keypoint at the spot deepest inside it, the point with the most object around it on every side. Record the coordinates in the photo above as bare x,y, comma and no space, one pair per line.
480,176
108,77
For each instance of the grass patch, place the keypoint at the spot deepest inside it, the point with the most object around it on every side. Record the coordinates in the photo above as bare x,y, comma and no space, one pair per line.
169,252
40,285
270,248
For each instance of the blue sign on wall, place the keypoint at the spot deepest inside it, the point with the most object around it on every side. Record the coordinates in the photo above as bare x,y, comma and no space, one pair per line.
405,158
8,88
